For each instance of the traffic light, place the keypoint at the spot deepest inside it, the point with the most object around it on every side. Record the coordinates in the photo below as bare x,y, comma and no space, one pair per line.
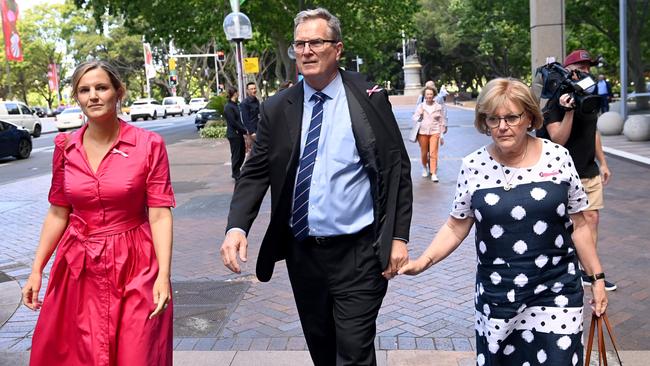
221,56
173,80
172,63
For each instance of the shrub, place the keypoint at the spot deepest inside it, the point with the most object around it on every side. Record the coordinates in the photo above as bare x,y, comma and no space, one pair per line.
215,122
213,132
217,103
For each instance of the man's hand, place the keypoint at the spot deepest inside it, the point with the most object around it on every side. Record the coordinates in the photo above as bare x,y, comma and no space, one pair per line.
234,243
399,256
605,174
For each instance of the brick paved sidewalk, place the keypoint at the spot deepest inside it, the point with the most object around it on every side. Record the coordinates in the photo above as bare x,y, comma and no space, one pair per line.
433,311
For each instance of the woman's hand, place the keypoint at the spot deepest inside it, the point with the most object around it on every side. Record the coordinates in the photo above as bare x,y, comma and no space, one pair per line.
599,301
415,267
161,295
31,289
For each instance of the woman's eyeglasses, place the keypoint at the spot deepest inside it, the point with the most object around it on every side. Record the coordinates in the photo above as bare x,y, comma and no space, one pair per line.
511,120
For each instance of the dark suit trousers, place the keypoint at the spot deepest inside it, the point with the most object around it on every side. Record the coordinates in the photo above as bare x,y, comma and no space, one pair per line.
338,287
237,154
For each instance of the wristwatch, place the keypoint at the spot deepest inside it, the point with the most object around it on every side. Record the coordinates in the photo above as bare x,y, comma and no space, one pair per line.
597,276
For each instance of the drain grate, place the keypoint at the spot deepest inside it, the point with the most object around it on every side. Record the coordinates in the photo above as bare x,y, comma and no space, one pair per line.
201,309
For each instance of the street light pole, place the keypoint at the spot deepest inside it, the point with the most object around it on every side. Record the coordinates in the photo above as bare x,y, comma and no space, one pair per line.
238,27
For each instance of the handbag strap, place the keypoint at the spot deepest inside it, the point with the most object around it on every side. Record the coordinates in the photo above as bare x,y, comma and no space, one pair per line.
597,327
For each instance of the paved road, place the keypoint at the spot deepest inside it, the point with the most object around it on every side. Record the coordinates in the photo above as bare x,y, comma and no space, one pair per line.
40,162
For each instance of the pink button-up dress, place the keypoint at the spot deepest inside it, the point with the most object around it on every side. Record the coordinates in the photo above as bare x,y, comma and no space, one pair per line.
97,304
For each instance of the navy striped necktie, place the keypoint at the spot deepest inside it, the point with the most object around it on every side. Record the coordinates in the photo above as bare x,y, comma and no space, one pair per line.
300,227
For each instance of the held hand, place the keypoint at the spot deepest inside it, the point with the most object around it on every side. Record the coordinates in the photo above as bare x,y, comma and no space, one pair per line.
605,174
415,267
599,300
30,291
399,256
234,243
161,295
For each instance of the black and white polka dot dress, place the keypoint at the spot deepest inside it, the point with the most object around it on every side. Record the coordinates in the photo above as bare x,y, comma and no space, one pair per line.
528,291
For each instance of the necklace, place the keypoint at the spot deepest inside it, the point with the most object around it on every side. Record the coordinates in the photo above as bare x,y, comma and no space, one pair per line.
507,186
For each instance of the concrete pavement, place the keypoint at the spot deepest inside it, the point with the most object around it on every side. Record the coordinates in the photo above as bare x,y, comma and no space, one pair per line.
424,320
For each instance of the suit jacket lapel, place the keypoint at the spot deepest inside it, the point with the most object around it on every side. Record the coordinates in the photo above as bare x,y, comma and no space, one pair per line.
363,132
293,118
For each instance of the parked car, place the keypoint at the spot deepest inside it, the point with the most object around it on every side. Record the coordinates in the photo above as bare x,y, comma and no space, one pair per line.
175,106
39,111
147,108
19,114
71,117
196,104
205,115
14,141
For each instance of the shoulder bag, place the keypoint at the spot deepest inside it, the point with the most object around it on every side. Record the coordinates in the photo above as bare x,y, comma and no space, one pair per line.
597,323
413,135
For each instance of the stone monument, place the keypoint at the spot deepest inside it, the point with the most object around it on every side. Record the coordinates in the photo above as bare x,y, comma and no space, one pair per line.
412,67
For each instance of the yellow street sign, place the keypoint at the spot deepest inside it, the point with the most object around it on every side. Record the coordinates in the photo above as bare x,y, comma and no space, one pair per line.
251,65
172,63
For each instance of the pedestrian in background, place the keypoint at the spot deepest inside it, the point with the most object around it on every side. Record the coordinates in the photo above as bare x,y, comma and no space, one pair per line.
604,91
428,84
235,131
332,155
108,301
431,116
250,114
526,200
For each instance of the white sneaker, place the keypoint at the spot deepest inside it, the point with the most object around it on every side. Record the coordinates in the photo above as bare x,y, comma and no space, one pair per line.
434,178
425,172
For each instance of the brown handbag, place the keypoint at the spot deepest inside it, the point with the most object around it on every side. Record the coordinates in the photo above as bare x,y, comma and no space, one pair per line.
597,323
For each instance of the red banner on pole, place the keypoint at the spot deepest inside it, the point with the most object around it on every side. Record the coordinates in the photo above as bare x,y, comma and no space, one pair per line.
53,77
13,44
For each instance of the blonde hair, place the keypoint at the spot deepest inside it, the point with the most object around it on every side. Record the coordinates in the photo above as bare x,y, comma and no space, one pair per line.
498,92
112,73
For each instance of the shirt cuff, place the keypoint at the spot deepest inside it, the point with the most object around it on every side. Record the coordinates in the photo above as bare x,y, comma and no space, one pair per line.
401,239
237,230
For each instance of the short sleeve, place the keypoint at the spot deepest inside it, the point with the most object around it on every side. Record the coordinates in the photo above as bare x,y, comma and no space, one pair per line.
461,207
159,186
57,188
577,196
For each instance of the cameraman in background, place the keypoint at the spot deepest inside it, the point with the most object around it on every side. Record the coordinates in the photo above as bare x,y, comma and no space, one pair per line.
574,127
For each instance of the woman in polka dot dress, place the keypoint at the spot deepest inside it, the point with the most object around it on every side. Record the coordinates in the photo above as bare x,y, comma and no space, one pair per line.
525,197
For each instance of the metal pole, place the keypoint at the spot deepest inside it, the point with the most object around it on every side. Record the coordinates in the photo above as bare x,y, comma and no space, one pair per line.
357,62
240,69
146,77
216,66
8,81
622,7
403,49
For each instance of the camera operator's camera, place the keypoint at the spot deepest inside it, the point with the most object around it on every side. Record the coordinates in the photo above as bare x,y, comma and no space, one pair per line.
557,81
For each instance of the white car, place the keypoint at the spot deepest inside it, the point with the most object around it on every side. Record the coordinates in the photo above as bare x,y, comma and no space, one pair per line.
19,114
196,104
71,117
147,108
175,106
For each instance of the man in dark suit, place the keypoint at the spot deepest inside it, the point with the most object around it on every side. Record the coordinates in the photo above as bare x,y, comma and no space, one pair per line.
332,153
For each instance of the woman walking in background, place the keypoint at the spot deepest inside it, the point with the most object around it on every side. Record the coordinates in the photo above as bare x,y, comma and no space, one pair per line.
108,301
526,200
432,125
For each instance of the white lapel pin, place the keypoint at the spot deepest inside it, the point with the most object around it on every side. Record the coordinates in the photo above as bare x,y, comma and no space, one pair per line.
374,89
116,151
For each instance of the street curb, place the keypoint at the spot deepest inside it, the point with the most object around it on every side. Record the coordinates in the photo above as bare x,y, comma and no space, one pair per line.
10,296
633,158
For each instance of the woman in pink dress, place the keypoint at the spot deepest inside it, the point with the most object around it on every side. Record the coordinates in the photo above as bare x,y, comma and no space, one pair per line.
108,301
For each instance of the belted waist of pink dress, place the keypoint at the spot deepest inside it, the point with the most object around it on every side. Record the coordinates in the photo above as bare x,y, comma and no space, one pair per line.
79,240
